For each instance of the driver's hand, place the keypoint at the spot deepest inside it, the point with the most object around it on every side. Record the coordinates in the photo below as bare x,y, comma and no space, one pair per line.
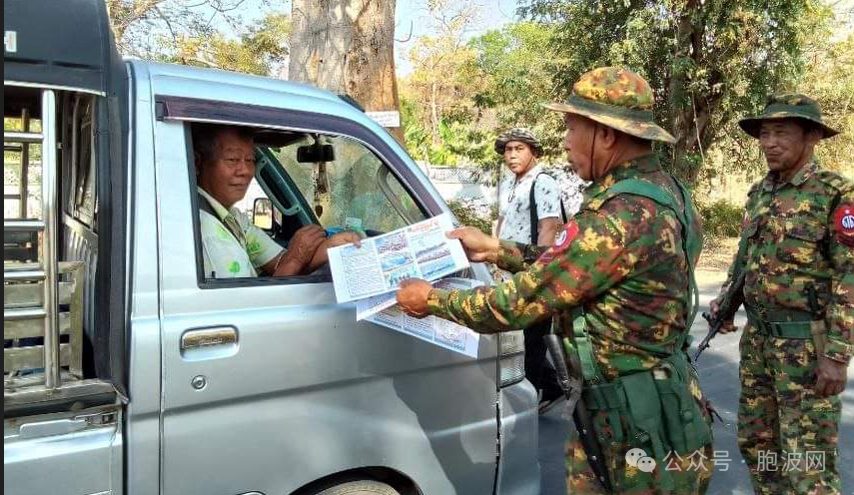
478,246
342,238
305,242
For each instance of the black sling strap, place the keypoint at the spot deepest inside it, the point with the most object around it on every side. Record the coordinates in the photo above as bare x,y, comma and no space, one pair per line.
532,208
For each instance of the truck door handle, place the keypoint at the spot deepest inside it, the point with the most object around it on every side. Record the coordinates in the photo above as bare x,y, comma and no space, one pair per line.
209,343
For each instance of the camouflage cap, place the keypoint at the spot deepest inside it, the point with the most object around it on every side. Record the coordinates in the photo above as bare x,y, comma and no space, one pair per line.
617,98
788,106
518,134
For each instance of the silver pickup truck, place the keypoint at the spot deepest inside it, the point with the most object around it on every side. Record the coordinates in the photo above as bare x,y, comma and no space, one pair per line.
127,371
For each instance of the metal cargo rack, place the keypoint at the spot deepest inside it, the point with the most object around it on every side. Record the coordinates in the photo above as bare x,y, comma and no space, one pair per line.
39,307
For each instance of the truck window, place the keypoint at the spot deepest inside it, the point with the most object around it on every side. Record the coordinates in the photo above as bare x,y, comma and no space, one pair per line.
309,178
354,190
78,134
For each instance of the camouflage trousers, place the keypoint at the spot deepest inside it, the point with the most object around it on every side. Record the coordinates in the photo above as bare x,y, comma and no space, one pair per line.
786,433
689,471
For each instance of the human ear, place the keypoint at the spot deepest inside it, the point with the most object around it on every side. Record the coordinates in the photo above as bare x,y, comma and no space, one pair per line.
608,137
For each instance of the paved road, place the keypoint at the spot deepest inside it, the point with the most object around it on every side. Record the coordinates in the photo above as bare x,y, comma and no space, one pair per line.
719,377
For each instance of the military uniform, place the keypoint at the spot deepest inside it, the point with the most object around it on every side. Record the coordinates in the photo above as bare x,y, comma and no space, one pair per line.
618,279
797,254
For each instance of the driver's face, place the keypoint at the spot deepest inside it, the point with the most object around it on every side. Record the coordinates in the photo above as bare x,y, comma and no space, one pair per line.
228,174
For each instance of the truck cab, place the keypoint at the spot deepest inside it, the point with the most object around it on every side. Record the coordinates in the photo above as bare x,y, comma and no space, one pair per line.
130,368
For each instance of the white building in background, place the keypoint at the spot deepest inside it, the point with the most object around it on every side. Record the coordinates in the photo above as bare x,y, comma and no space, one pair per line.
461,183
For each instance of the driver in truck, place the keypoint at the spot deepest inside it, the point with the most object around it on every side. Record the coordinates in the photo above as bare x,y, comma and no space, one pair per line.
233,246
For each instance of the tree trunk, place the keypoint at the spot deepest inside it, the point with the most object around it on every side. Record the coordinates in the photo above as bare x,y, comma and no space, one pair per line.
679,98
347,47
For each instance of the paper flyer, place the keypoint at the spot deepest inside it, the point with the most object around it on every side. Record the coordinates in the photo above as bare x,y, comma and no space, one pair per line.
437,331
377,267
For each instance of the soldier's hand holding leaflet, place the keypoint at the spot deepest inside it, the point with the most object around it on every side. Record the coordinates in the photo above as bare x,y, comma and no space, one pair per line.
479,247
412,297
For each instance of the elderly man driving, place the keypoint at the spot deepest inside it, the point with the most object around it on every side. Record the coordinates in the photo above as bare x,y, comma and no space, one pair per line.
233,246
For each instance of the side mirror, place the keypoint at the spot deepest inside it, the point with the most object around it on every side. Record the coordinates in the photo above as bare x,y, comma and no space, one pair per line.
316,153
262,213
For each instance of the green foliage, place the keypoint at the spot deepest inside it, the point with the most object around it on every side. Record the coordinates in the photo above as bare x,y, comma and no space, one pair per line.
721,219
259,50
514,64
177,31
830,79
468,216
458,142
710,62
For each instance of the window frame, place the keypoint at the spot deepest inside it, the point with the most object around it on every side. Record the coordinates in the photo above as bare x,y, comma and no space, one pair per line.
190,111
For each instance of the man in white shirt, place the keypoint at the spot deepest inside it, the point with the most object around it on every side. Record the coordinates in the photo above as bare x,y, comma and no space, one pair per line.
520,150
530,212
233,246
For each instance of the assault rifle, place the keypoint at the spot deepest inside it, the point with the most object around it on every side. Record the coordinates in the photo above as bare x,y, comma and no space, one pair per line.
571,385
731,301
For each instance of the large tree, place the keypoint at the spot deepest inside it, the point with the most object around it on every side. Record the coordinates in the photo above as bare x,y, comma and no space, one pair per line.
347,47
709,60
440,79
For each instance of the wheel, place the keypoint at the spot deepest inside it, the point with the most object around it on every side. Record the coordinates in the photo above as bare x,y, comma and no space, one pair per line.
363,487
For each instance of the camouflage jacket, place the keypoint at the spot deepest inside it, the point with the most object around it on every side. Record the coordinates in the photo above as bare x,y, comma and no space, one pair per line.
620,259
801,234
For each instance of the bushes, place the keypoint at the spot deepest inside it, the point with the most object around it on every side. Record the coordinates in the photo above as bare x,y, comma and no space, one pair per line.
721,219
474,214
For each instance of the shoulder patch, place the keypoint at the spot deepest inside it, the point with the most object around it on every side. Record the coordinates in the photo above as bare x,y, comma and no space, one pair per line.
562,242
843,221
566,236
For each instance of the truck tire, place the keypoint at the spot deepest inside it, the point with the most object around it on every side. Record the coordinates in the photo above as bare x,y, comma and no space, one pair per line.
363,487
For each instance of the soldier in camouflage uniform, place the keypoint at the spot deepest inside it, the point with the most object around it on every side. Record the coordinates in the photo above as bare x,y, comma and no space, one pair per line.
797,257
618,280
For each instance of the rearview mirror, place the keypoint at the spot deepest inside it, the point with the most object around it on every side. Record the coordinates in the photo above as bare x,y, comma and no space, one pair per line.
262,213
316,153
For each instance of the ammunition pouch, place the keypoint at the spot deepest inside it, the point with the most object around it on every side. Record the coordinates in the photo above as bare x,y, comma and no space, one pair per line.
657,404
786,324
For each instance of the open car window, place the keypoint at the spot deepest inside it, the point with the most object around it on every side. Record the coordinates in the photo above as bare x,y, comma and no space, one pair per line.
344,185
300,178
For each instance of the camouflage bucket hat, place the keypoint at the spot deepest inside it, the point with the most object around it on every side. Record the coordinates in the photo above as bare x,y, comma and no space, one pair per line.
787,106
518,134
617,98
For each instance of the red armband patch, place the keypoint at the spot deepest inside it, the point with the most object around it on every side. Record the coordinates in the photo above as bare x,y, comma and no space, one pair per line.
843,221
563,241
566,236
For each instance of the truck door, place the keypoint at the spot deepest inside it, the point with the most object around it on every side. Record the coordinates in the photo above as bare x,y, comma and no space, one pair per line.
268,384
